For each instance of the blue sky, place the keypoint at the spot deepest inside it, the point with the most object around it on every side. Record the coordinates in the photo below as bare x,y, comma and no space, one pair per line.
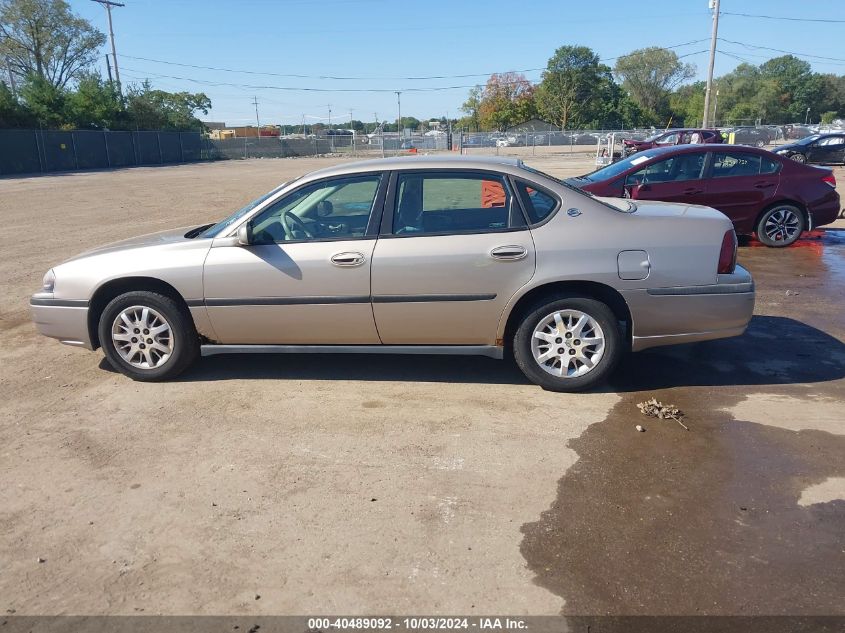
385,42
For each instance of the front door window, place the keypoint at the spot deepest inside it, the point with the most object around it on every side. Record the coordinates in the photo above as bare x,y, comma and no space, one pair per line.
333,209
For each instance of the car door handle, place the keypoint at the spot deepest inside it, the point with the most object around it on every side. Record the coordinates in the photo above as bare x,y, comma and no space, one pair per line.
764,185
509,253
692,191
348,259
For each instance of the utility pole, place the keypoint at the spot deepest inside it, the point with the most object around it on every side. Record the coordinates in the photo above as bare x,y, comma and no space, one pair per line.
108,68
399,120
330,116
257,124
108,4
715,106
714,5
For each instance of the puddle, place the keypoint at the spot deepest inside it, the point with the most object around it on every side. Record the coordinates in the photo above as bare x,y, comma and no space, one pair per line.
699,522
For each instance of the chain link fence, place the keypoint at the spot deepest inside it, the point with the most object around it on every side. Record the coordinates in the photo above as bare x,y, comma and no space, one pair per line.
41,151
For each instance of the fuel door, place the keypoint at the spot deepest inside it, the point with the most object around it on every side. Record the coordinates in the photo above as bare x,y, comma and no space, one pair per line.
633,265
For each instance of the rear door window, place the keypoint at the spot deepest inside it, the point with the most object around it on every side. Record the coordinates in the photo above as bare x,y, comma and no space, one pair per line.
737,164
452,202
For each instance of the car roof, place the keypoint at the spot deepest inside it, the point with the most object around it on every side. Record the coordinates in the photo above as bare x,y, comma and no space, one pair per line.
702,147
420,162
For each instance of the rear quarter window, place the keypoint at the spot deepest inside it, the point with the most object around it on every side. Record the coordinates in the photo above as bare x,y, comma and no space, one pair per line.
538,204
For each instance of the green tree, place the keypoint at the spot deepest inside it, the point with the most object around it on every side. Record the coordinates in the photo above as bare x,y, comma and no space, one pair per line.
650,74
44,38
572,82
12,113
829,116
471,107
151,109
96,105
44,101
687,104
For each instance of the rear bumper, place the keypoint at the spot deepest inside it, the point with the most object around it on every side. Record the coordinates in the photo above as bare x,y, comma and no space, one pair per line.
825,211
687,314
61,319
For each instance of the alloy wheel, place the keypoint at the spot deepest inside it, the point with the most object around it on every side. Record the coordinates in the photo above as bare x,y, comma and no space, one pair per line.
142,337
568,343
782,225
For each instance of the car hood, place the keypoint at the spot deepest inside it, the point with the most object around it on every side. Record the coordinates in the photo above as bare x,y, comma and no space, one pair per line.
170,236
792,147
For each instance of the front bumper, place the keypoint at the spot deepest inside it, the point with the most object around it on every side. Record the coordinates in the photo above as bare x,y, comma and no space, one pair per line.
66,320
688,314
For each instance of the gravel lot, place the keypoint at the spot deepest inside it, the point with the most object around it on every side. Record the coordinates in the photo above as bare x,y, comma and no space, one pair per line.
410,485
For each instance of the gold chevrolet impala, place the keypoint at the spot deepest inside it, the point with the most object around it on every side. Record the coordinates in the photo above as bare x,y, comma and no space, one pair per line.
422,255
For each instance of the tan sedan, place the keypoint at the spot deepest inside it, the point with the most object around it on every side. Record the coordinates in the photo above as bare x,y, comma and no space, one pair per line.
420,255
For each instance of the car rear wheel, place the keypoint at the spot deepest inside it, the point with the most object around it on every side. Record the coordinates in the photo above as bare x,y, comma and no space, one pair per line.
148,336
568,344
780,226
798,158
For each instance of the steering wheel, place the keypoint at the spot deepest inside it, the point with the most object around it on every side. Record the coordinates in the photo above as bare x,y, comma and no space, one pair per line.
292,221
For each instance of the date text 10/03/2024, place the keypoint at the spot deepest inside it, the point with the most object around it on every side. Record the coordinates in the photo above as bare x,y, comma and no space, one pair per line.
417,623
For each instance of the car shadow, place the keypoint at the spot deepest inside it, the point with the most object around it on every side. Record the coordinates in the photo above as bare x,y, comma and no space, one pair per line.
773,351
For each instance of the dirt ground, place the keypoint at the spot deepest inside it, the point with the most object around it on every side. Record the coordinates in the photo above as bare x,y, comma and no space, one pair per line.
411,485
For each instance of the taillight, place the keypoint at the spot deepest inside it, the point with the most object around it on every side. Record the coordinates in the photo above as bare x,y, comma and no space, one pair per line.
727,255
830,179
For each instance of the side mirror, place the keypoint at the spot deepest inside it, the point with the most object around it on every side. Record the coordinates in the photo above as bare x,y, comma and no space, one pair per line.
245,234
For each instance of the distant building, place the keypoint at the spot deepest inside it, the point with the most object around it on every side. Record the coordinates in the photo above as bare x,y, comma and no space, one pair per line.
214,125
245,131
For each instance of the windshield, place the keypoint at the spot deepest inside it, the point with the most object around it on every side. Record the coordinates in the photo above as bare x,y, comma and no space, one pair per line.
630,207
808,139
216,229
615,169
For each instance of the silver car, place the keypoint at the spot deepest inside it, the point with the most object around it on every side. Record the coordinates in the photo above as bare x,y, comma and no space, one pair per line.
422,255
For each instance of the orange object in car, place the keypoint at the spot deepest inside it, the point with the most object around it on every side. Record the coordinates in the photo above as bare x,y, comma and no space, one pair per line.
492,194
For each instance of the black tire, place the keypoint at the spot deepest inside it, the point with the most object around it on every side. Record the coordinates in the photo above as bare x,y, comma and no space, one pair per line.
185,340
775,242
798,158
598,311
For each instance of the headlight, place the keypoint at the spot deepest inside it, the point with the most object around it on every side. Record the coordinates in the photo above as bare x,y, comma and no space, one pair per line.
781,151
49,281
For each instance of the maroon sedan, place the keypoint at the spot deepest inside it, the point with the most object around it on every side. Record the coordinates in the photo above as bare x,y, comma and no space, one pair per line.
666,138
761,192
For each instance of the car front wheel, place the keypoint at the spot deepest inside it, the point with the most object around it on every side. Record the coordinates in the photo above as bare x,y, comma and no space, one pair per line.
780,226
798,158
568,344
147,336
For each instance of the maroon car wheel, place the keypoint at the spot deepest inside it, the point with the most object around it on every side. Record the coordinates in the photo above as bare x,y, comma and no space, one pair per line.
781,225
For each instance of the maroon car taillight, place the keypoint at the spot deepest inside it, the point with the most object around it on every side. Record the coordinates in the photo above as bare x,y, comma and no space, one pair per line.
830,179
727,255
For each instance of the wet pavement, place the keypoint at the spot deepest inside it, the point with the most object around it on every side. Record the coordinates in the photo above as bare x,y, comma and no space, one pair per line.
744,513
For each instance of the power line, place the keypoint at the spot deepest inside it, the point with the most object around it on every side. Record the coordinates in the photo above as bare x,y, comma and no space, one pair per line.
779,50
366,78
777,17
